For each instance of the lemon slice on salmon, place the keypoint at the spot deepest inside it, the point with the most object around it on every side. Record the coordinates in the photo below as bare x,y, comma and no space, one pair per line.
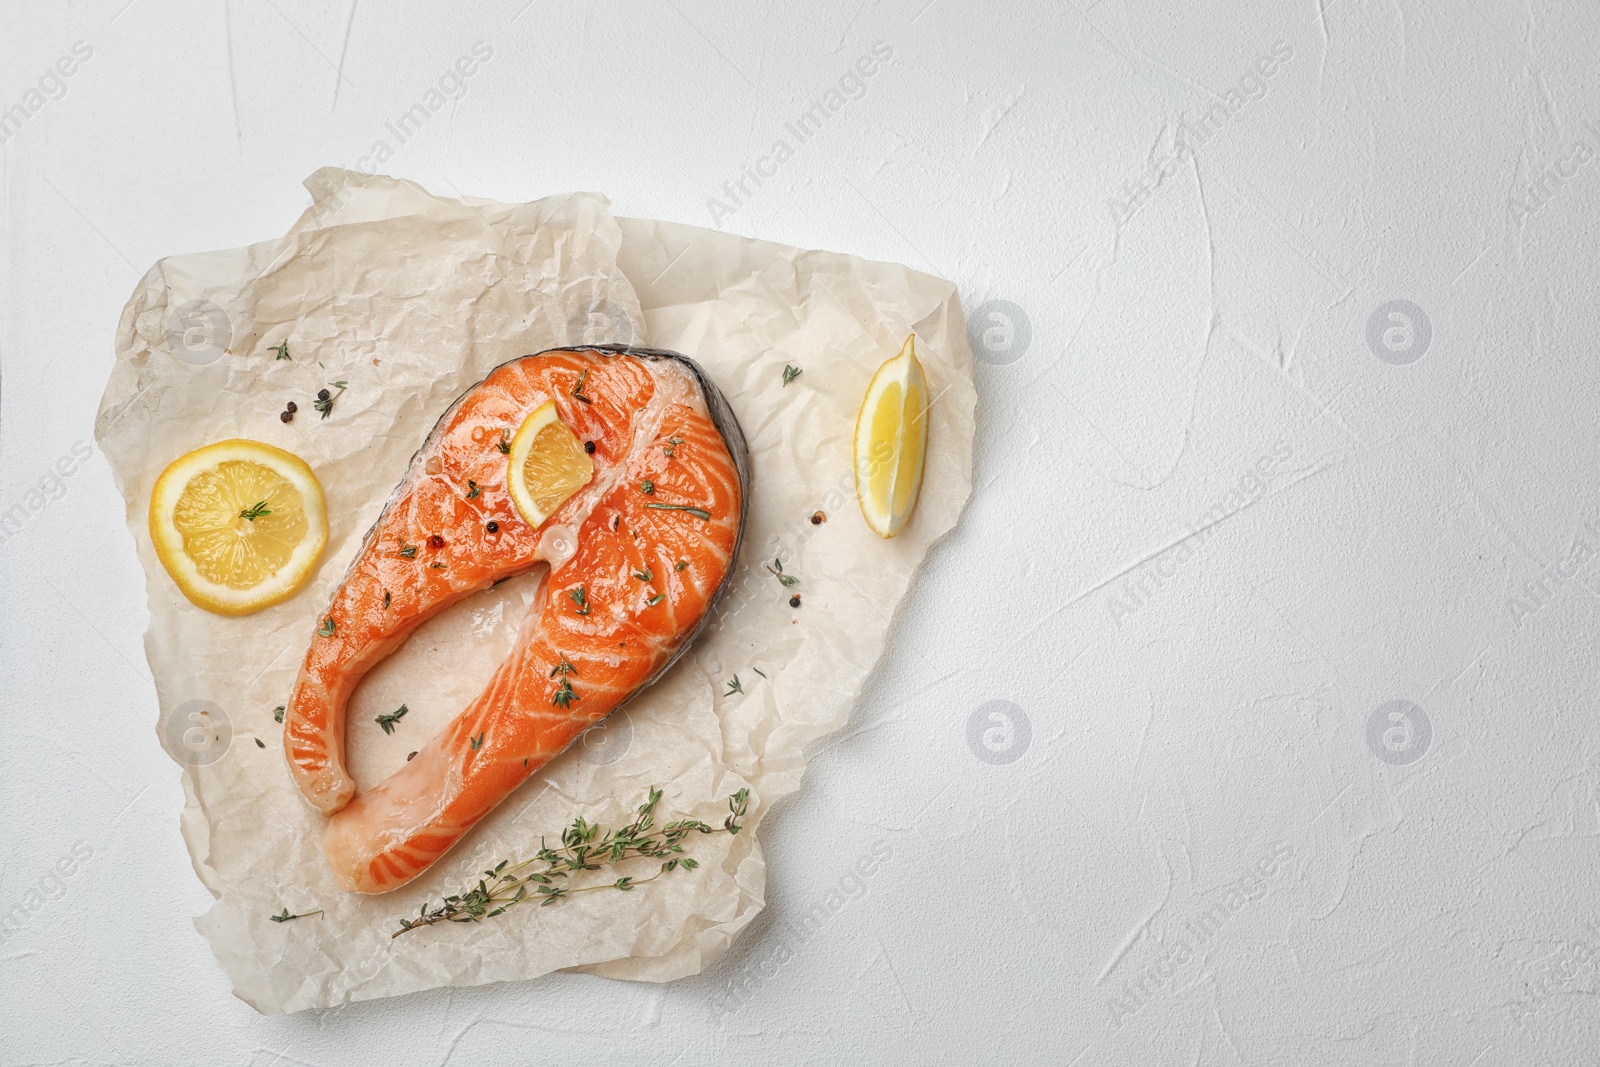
547,464
239,525
892,442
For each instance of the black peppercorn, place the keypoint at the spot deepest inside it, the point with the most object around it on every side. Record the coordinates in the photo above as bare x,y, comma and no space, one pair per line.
286,416
323,394
493,527
293,407
435,541
588,446
794,601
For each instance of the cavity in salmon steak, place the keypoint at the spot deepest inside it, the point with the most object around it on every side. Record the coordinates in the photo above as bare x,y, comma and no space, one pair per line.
630,566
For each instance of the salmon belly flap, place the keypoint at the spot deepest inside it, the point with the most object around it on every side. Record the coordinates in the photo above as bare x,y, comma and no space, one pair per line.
631,564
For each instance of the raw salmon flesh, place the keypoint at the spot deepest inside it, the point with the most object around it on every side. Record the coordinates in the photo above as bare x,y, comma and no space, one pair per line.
631,565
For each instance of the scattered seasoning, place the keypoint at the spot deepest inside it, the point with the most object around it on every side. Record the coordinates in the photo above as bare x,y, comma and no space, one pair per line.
386,600
680,565
734,687
818,518
790,373
588,446
325,400
285,916
388,721
671,447
408,551
505,443
794,601
283,353
410,756
327,627
759,671
645,575
580,598
647,487
584,847
699,513
260,743
436,566
776,567
291,407
493,527
614,520
255,511
564,696
287,416
277,713
499,581
473,490
653,601
435,542
577,390
477,742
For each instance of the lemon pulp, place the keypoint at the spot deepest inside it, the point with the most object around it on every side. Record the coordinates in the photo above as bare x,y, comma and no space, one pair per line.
891,442
546,466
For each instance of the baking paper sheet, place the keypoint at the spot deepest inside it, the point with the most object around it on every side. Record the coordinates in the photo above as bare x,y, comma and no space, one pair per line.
411,299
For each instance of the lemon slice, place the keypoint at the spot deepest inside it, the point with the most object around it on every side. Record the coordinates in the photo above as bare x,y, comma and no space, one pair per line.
892,442
547,465
238,525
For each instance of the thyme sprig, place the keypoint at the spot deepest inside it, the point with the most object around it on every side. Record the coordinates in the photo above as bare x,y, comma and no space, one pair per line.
577,390
282,352
776,567
284,916
388,721
504,444
255,511
324,402
699,513
790,373
581,598
585,846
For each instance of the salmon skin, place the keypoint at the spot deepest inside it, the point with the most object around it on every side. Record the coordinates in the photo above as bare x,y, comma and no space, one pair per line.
630,568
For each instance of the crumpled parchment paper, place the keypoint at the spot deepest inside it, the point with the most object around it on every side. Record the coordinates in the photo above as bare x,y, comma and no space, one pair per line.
411,299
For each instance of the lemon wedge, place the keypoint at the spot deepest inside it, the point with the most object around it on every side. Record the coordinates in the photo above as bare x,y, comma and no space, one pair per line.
892,441
239,525
547,465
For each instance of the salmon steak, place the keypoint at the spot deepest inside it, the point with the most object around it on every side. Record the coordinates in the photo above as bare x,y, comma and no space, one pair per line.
631,557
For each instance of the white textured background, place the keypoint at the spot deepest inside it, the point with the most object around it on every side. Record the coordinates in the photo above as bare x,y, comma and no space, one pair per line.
1221,519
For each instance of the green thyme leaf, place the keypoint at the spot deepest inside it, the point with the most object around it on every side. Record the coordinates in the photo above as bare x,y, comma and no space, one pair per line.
388,721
